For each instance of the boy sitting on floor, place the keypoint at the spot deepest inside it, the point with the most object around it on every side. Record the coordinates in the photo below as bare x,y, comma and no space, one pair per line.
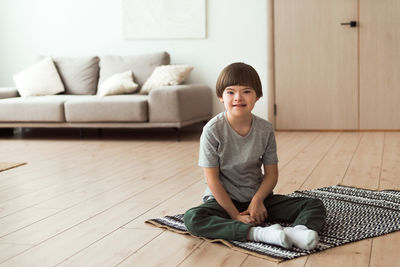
239,198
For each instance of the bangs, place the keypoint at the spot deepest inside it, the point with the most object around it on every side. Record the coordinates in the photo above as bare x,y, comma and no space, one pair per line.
239,77
238,74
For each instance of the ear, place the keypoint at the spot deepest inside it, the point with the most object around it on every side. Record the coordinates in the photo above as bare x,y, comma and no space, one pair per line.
221,99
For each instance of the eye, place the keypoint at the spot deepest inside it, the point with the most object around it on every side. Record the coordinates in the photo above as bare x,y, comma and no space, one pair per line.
229,92
247,91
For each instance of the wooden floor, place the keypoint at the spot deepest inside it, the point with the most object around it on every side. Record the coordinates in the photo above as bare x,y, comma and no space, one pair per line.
83,201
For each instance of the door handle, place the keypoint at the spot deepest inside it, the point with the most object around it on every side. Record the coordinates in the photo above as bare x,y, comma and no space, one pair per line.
352,23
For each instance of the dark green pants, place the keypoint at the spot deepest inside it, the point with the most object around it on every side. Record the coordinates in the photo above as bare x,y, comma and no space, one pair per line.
210,220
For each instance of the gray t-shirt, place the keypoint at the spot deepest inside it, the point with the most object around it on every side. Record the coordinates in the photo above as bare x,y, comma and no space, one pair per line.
239,158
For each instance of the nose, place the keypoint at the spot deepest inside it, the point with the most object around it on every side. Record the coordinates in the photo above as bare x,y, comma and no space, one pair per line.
238,96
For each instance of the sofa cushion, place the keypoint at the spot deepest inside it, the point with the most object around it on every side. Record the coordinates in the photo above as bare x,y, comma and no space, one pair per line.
141,65
79,75
33,108
115,108
40,79
166,75
118,84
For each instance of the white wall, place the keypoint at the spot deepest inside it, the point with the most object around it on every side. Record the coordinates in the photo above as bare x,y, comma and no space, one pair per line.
236,31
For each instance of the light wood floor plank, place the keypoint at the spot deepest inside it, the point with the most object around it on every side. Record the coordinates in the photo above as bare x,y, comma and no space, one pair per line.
44,229
210,254
41,176
113,248
390,174
21,219
178,204
353,254
85,178
81,187
294,143
297,171
333,166
90,230
365,167
171,249
252,261
8,250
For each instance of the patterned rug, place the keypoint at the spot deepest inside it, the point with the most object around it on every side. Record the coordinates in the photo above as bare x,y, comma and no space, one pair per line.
8,165
353,214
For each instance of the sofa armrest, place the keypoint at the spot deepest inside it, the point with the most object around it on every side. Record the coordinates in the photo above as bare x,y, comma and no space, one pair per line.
180,103
8,92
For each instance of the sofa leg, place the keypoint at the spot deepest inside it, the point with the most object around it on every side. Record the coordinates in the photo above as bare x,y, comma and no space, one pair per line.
178,134
81,132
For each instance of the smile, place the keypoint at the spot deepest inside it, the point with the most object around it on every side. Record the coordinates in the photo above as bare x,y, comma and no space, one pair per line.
241,105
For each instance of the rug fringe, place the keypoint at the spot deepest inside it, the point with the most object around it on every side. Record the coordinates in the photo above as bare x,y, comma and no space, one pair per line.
226,243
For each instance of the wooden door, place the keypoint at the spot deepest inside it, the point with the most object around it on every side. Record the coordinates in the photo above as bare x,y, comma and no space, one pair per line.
316,64
380,64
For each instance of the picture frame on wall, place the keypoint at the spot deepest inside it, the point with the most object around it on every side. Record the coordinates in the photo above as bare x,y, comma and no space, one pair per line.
164,19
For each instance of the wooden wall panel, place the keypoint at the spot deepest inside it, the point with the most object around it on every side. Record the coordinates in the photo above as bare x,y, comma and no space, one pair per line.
316,64
379,64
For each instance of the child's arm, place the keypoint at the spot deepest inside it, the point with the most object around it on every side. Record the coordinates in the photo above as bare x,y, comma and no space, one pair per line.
222,197
256,208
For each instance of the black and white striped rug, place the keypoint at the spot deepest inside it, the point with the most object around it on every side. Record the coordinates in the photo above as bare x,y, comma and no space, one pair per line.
353,214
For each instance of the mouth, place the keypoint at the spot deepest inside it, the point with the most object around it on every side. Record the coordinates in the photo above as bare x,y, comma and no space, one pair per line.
239,105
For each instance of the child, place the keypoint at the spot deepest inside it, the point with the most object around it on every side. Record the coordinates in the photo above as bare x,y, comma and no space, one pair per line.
238,198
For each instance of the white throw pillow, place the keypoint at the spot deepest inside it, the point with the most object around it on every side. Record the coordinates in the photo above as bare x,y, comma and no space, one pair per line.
40,79
166,75
117,84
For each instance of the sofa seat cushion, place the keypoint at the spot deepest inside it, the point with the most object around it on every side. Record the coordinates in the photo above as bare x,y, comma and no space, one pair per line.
8,92
33,108
115,108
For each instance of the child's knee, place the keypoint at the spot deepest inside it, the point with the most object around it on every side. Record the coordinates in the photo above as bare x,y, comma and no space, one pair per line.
319,205
189,219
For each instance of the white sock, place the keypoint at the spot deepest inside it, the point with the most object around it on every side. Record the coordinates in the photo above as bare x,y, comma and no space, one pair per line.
302,237
273,234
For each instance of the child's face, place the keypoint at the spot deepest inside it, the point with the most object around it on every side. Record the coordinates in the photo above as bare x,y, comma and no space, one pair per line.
239,100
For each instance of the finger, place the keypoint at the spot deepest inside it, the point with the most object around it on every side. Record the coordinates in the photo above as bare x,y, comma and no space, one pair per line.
246,212
252,220
258,219
265,216
261,217
249,221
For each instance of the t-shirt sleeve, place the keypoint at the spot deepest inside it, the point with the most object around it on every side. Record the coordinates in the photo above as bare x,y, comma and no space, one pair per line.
270,156
208,155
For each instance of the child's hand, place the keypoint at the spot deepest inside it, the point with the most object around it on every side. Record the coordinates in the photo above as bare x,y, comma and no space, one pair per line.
257,211
245,219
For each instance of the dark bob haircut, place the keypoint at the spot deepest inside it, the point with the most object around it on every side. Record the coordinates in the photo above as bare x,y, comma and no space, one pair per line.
238,74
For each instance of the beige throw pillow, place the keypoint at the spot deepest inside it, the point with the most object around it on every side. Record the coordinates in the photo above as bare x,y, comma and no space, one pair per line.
117,84
40,79
166,75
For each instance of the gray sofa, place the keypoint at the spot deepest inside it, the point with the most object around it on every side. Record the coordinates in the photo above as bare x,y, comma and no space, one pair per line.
168,106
